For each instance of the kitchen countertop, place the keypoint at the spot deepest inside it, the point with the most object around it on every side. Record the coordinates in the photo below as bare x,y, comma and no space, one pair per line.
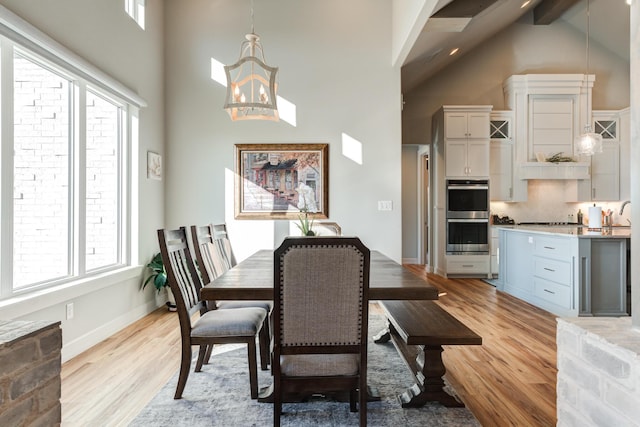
573,230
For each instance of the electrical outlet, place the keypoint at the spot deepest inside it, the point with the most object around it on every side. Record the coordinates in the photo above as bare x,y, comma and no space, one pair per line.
70,311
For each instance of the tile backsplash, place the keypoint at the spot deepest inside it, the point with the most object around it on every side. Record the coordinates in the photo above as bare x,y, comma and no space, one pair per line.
546,203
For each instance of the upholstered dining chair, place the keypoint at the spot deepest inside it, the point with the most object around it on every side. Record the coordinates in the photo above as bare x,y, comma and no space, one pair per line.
214,256
320,315
241,325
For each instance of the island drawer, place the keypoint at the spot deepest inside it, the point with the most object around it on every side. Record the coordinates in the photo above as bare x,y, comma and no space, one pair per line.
549,269
552,247
552,292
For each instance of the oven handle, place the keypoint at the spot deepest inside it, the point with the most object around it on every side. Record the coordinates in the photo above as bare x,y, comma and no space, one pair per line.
467,187
469,220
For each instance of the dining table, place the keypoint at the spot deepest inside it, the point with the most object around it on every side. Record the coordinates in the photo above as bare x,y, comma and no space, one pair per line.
252,279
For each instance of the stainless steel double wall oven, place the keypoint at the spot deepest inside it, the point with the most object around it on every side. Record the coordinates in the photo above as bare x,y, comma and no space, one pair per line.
467,216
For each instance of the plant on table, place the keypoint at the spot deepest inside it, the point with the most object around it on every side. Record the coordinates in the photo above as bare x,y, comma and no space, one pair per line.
305,223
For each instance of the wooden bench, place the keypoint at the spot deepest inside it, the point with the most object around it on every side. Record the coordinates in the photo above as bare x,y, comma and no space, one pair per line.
419,329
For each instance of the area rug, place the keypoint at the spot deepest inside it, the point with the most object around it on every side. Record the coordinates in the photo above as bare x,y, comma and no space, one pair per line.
219,396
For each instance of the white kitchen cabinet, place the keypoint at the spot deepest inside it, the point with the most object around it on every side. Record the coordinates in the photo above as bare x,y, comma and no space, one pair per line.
501,156
466,124
604,182
466,141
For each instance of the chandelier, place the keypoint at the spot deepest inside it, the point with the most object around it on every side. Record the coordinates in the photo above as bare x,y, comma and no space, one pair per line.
589,142
251,83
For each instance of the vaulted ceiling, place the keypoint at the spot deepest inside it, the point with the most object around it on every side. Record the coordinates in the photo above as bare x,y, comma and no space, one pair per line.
465,24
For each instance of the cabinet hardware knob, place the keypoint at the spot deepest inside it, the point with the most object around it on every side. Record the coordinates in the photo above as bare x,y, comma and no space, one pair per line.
549,292
550,247
549,269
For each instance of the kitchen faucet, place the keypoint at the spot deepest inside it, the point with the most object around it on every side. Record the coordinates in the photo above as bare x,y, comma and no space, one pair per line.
623,205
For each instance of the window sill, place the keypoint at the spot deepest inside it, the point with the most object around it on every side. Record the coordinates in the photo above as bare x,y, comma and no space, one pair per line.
31,302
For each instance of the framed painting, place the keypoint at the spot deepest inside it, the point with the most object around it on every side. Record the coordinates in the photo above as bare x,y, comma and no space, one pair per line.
154,166
279,181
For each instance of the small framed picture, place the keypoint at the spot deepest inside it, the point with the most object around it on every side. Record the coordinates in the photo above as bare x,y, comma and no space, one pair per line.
154,166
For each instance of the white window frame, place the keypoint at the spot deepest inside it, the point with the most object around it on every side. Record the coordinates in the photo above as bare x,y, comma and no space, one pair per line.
14,31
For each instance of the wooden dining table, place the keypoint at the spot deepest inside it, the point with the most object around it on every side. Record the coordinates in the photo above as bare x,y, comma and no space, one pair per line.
252,279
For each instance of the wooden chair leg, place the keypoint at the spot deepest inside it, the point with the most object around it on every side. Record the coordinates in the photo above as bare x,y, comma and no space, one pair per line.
353,398
185,365
253,369
277,405
208,355
204,349
263,340
362,404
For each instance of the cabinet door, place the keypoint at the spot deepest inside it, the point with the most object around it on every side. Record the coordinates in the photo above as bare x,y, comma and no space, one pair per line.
516,262
500,170
605,181
455,157
455,125
478,158
605,176
478,125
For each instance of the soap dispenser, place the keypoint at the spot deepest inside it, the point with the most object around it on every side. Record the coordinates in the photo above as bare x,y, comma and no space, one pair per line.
579,216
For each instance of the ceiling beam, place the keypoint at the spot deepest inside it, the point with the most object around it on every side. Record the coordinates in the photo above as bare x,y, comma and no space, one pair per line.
463,8
549,10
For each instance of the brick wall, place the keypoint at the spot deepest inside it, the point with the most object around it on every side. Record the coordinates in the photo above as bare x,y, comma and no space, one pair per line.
30,373
598,372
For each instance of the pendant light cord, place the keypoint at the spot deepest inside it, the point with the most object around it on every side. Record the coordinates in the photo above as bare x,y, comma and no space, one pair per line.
588,29
252,29
588,124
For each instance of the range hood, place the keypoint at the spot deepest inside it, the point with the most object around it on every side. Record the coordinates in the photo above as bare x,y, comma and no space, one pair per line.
548,170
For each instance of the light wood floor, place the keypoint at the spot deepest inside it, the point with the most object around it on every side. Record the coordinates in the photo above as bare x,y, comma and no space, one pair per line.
508,381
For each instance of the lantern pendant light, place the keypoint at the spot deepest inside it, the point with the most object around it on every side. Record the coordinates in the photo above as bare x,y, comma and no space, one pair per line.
251,83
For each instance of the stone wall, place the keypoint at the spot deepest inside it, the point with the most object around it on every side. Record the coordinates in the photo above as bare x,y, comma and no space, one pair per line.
598,372
30,373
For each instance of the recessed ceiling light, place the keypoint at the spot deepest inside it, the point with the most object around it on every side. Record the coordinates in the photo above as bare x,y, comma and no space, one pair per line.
525,4
629,2
454,51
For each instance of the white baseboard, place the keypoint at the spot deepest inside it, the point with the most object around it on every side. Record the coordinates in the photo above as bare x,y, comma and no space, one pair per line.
88,340
410,261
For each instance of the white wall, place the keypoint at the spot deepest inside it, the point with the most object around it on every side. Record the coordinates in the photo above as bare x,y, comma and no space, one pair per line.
341,81
477,78
103,34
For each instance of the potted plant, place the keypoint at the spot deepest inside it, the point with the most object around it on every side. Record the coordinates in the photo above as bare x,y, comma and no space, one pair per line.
159,278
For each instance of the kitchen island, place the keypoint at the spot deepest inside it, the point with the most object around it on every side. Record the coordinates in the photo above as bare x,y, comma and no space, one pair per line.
566,269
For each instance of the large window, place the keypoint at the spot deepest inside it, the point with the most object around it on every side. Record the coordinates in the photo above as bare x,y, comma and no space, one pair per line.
67,212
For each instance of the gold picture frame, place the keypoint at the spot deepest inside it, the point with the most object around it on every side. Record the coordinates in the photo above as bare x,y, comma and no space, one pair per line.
279,181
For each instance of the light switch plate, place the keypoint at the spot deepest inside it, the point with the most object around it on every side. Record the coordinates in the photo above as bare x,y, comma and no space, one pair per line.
385,205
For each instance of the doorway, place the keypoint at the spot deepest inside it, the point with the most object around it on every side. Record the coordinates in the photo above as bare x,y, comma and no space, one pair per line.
424,207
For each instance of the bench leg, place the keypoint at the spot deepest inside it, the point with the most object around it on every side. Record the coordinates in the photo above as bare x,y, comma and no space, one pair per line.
429,381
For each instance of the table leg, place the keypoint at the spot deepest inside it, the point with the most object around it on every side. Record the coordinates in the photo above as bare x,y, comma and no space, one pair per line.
383,336
429,381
